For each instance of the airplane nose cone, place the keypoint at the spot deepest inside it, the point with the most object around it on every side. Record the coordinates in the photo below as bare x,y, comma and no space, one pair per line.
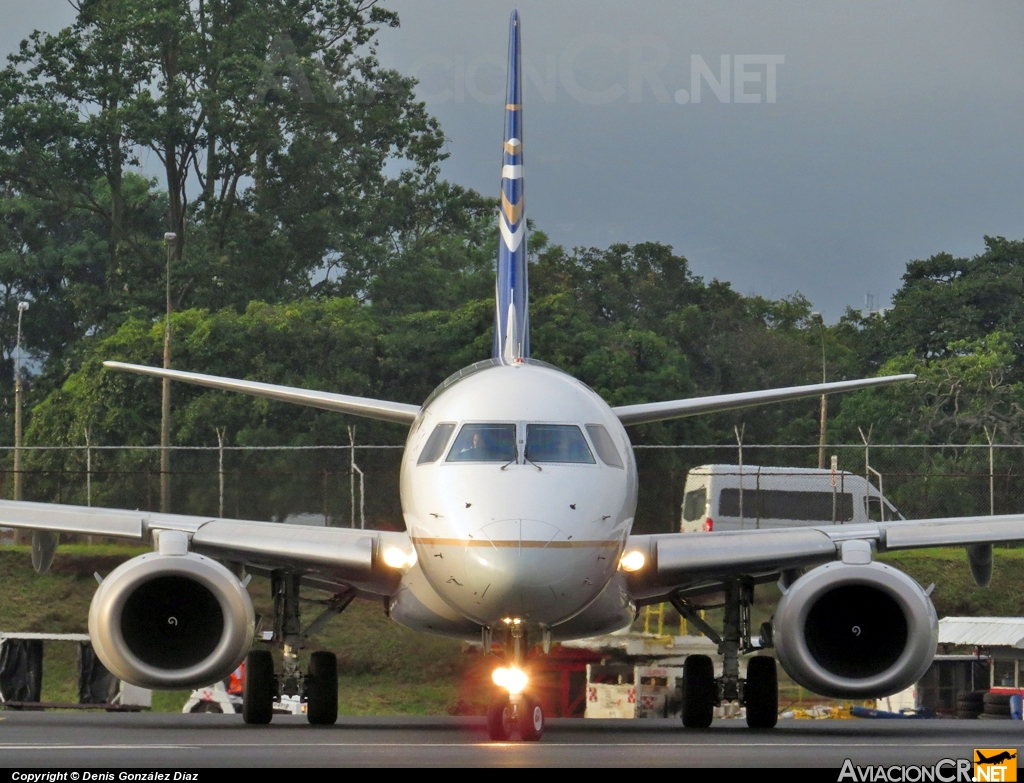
523,550
523,568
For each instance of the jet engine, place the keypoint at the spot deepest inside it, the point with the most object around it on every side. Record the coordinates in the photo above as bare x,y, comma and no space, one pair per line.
171,621
855,630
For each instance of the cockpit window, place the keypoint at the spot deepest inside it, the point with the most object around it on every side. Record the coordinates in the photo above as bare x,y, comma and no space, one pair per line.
484,443
436,442
557,443
605,445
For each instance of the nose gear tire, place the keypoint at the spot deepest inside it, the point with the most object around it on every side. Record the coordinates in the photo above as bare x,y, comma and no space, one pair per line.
700,694
322,689
531,720
259,689
499,719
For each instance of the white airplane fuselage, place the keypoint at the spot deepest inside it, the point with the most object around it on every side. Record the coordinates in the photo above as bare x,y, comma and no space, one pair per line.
534,541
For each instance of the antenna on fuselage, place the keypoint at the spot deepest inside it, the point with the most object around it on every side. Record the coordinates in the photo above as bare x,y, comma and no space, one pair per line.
511,317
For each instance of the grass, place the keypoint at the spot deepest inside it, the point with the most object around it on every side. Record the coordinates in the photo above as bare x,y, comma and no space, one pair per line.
387,669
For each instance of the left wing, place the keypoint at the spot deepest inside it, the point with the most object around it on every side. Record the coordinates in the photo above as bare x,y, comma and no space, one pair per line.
675,409
328,554
690,561
399,412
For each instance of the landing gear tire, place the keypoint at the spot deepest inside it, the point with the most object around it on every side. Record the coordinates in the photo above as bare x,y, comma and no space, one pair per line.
322,689
761,693
699,692
259,689
499,719
531,720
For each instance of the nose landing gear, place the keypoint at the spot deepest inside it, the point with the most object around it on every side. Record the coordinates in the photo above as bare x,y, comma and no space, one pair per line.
513,709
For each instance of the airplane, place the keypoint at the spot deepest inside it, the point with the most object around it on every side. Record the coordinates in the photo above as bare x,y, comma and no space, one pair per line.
518,491
996,759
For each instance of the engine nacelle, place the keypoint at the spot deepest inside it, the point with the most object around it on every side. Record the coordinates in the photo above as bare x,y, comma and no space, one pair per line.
171,621
855,631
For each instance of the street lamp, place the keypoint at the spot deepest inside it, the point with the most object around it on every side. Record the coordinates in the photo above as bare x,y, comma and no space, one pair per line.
22,307
170,238
817,319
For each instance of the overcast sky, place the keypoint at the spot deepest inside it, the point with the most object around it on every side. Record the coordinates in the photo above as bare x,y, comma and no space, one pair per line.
895,131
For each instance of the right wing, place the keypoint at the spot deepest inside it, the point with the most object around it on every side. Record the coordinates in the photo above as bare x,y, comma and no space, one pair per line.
332,555
675,409
399,412
694,561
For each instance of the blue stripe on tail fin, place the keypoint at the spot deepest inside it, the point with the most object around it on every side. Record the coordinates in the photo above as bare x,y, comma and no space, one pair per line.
512,316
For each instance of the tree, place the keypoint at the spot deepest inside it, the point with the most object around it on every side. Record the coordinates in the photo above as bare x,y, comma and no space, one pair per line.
945,300
275,129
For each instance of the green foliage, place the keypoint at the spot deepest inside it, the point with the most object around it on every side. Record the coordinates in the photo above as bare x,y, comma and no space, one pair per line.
946,300
291,162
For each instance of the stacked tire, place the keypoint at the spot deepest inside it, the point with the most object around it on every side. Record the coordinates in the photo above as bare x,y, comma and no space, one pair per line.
970,705
995,706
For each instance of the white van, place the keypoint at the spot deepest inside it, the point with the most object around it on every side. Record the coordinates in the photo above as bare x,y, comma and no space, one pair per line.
727,497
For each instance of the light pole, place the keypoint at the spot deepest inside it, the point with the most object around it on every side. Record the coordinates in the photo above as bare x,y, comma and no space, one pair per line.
817,319
165,401
22,307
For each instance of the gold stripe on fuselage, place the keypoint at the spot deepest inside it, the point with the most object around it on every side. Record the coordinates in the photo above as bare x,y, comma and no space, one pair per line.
522,544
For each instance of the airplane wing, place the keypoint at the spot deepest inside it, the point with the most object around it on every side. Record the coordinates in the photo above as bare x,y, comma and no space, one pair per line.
695,561
398,412
675,409
328,555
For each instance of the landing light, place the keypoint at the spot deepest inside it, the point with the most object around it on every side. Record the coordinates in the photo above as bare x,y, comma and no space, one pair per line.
632,561
396,558
512,679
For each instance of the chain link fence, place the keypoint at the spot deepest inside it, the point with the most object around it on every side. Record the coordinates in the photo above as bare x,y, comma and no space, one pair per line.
357,486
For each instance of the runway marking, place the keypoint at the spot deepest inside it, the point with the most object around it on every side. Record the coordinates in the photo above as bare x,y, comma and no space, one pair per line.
99,747
42,746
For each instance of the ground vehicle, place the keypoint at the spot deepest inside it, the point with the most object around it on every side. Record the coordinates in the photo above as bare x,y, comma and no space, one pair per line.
752,497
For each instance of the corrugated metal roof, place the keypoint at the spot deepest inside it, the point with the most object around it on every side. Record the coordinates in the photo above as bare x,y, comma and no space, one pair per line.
982,631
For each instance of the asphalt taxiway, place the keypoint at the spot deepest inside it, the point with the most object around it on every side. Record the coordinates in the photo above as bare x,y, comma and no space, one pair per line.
92,740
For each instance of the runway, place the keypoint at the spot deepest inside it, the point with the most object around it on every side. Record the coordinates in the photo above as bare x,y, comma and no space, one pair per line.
94,740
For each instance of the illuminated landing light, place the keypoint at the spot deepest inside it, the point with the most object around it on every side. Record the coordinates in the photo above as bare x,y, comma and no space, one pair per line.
512,679
396,558
632,561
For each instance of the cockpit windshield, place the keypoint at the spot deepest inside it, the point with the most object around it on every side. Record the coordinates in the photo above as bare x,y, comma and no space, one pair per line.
484,443
557,443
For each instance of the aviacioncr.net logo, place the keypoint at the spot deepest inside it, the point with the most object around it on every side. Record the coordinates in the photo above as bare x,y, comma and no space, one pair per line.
944,771
995,764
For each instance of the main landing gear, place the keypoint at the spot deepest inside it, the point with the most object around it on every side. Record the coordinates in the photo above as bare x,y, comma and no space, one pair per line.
318,687
513,710
702,691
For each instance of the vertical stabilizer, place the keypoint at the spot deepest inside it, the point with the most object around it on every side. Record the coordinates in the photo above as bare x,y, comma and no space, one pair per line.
512,315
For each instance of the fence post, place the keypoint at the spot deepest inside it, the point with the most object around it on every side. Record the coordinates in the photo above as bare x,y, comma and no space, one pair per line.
220,470
867,471
739,441
88,476
353,469
991,471
88,471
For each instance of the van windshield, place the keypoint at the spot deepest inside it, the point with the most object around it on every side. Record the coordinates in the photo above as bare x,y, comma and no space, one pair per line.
694,503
